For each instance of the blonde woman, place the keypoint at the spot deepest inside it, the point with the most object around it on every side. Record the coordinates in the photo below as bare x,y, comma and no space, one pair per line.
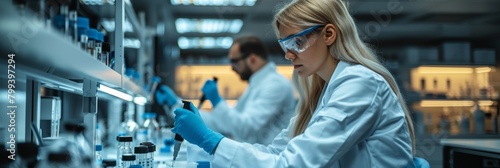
350,112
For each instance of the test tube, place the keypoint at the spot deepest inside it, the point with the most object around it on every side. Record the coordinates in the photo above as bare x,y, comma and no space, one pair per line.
105,53
127,160
141,155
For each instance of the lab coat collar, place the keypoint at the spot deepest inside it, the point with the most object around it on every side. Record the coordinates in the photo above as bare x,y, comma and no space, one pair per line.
340,67
262,72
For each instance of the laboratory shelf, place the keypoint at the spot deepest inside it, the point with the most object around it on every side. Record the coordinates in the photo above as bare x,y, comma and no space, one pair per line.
49,51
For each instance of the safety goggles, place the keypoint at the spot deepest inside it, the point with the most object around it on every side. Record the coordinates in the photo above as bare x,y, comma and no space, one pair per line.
298,43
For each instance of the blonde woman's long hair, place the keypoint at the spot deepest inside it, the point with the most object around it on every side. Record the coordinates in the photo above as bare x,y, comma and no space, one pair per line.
347,47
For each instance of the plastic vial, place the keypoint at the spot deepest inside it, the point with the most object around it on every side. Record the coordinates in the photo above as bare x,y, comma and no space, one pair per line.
92,35
141,153
98,46
150,155
98,154
109,163
73,30
82,24
124,147
105,53
127,160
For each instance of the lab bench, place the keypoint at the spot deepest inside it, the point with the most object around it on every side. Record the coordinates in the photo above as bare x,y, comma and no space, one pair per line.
458,153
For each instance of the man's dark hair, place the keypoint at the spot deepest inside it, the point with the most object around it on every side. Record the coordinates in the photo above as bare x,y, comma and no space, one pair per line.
251,44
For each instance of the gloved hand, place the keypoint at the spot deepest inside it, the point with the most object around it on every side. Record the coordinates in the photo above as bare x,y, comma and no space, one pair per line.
191,127
211,92
165,95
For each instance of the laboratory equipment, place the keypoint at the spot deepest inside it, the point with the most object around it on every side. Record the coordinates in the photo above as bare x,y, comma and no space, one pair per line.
178,138
105,53
151,127
98,154
82,24
109,163
27,155
98,46
98,134
50,115
75,135
141,155
127,160
478,119
92,38
150,155
129,127
181,164
124,147
464,124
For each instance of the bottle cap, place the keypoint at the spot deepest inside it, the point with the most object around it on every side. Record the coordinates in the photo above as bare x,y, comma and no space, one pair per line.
135,166
109,162
82,22
92,34
124,138
62,157
128,157
203,164
141,149
98,147
100,37
151,146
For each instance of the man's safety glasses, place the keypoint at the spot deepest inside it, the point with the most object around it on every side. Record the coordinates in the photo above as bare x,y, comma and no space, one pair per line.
298,43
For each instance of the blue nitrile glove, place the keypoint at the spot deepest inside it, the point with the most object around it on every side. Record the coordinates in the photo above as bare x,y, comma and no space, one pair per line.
211,92
192,128
165,95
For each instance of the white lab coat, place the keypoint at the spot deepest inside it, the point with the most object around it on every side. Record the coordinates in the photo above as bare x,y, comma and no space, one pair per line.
358,123
264,109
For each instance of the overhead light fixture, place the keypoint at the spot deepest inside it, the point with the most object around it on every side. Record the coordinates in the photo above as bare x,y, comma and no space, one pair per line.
185,25
115,93
109,25
131,43
452,70
204,42
140,100
453,103
214,2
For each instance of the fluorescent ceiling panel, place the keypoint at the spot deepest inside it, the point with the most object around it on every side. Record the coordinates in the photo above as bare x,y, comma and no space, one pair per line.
109,25
214,2
184,25
204,42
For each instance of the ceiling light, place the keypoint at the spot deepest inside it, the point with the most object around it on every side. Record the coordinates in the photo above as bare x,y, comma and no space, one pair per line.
453,103
452,70
140,100
109,25
214,2
204,42
115,93
131,43
184,25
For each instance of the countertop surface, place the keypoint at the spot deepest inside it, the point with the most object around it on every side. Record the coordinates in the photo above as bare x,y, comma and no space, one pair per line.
488,145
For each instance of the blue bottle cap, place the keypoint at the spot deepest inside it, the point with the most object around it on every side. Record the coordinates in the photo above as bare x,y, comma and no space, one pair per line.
149,115
82,22
203,164
155,79
135,166
92,34
100,37
98,147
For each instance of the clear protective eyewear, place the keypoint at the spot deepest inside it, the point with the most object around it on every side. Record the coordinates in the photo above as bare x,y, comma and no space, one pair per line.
298,43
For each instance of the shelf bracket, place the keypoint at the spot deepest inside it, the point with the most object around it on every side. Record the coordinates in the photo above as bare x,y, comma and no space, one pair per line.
90,111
